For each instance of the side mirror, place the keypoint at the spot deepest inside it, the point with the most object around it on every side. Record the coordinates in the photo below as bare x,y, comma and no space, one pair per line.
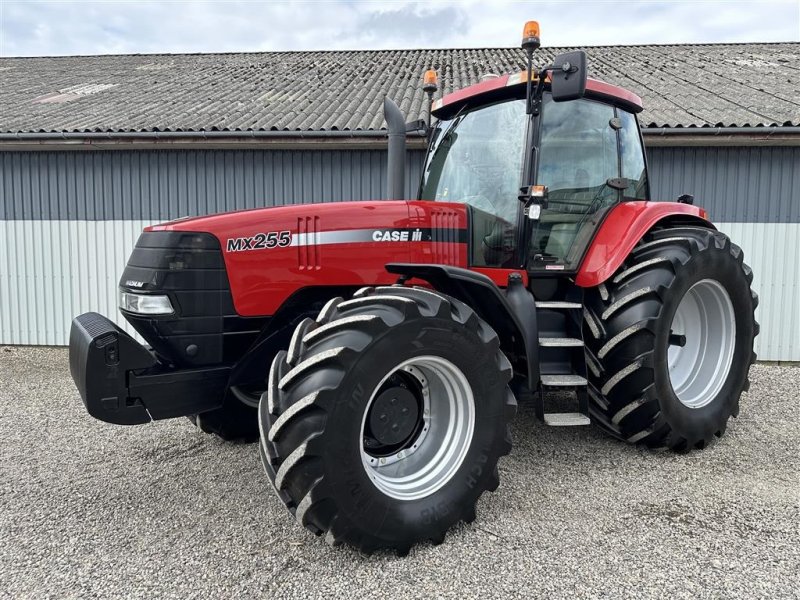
568,77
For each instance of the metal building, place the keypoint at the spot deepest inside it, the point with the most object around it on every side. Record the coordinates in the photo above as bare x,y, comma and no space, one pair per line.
92,149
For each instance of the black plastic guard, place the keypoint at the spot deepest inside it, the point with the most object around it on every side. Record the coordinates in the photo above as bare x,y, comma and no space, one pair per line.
100,355
122,382
514,322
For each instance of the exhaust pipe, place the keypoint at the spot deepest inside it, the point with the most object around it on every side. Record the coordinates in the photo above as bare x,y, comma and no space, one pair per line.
396,168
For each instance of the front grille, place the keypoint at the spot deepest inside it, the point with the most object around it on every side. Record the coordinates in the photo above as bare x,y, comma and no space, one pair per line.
189,268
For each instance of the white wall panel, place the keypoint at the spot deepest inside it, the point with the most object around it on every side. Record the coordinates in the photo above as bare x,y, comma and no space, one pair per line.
51,271
773,252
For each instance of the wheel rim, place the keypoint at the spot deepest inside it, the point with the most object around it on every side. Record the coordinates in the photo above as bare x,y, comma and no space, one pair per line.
438,443
699,368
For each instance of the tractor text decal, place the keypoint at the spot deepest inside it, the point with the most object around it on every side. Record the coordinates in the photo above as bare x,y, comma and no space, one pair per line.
260,241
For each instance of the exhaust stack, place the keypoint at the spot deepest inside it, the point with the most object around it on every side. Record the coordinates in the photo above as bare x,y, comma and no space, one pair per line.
396,168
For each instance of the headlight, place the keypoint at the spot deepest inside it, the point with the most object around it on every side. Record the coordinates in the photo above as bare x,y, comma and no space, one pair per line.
145,304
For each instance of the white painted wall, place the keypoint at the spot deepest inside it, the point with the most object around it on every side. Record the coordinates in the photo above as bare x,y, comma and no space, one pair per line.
51,271
773,252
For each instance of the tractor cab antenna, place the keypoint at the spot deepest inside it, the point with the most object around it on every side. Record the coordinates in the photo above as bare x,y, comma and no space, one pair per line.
530,43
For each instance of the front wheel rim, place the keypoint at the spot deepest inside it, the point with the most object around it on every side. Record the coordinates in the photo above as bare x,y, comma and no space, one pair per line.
432,456
698,369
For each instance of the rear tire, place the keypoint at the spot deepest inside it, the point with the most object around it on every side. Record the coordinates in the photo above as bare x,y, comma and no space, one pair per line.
319,446
643,385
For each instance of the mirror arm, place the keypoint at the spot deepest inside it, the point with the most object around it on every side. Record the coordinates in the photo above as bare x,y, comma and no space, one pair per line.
536,100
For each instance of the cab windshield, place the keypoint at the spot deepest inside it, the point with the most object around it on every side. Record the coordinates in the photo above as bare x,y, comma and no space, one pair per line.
477,158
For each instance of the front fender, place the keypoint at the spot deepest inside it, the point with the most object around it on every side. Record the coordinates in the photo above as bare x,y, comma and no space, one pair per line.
511,314
622,229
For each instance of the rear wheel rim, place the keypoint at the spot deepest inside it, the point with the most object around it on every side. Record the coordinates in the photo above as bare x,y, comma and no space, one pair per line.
440,442
698,369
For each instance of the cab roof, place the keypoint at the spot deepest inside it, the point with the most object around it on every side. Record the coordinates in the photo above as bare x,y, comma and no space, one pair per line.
512,85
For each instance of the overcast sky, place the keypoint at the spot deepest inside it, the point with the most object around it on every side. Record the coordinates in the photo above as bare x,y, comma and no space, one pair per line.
31,28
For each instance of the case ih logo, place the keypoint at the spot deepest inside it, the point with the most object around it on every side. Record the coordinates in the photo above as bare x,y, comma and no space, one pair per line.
396,235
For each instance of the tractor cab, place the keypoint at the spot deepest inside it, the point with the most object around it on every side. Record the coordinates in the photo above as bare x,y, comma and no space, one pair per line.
538,168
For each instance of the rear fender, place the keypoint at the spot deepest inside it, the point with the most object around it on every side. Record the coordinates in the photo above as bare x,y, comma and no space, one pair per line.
622,229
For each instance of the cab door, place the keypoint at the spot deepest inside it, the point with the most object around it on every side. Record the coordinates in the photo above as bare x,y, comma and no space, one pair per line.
590,158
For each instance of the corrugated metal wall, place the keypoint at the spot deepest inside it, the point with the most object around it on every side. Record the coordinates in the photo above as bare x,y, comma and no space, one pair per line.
69,219
51,271
753,195
160,185
735,185
773,252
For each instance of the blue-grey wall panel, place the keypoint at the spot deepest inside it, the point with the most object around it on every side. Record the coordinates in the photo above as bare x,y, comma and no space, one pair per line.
735,185
166,184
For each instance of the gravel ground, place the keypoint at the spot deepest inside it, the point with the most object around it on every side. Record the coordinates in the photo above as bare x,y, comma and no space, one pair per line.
162,510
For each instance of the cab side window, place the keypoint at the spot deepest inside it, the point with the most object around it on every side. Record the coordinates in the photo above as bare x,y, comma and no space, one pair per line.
632,155
584,147
578,155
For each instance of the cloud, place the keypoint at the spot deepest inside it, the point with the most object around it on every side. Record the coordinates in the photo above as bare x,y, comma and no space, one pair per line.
408,25
106,27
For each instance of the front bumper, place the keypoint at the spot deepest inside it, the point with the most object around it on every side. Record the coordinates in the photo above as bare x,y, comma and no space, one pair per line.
122,382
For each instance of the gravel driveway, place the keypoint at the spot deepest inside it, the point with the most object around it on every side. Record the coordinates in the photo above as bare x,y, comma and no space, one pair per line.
162,510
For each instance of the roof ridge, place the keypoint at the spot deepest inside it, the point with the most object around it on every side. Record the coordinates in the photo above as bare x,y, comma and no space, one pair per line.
416,50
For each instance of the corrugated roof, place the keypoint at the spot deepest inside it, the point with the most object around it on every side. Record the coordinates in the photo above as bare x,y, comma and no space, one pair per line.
744,85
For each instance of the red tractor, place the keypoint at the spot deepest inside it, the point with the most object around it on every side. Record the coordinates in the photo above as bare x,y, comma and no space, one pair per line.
401,333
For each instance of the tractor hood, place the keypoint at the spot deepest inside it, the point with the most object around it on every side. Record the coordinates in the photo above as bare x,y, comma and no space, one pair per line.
271,253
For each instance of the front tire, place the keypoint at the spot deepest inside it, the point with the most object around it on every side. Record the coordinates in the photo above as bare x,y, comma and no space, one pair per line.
669,340
384,421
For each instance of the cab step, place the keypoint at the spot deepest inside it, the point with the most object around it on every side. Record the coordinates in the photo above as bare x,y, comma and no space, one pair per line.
560,342
562,360
563,380
557,304
566,419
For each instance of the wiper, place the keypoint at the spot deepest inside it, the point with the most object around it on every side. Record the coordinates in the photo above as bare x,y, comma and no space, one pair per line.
446,135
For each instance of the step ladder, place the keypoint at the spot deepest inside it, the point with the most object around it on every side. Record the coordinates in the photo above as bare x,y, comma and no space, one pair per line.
562,362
